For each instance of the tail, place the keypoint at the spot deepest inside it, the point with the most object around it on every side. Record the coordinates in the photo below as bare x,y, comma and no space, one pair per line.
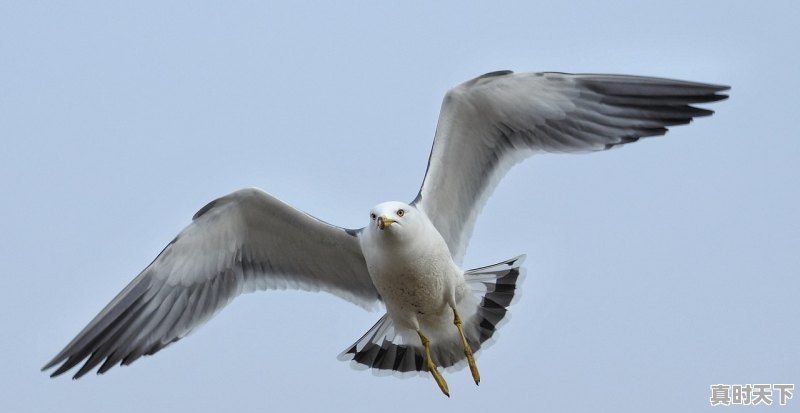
388,350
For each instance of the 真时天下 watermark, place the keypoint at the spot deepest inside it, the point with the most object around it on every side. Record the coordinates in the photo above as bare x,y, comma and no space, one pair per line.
750,394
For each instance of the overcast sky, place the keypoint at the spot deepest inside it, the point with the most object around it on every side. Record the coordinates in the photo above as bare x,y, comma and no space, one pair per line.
654,270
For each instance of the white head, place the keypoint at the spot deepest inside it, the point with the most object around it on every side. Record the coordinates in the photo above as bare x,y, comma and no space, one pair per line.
399,233
395,220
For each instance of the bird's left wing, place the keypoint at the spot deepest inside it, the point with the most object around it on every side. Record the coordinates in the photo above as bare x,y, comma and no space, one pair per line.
242,242
491,122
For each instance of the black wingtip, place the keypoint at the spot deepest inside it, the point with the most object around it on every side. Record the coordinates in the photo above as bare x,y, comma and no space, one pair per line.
52,363
716,96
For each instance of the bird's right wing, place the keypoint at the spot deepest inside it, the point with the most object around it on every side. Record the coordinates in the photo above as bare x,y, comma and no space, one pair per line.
242,242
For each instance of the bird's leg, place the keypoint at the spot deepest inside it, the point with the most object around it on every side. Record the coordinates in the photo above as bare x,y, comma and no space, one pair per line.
467,350
431,366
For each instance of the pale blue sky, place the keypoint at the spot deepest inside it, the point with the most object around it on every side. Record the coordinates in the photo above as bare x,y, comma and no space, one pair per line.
654,270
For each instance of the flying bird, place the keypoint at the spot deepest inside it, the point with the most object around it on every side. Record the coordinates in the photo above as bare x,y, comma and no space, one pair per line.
408,255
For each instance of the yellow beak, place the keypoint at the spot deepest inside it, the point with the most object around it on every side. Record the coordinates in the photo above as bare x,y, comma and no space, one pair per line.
384,222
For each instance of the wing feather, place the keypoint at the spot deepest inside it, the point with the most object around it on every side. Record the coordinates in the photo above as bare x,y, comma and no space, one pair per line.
491,122
242,242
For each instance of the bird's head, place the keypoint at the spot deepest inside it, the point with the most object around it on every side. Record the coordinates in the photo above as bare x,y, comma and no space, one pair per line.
394,218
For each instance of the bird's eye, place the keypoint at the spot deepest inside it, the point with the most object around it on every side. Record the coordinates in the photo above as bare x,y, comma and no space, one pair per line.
372,216
401,212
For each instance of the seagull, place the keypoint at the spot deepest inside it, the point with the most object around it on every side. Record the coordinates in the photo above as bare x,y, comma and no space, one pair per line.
408,256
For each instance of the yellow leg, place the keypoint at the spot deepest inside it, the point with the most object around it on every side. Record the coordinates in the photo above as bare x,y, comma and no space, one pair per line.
431,366
467,350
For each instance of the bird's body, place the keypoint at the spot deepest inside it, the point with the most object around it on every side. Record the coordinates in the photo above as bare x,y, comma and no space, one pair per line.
417,284
408,256
412,269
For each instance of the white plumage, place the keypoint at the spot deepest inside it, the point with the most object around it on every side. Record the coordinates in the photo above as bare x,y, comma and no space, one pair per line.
249,240
412,269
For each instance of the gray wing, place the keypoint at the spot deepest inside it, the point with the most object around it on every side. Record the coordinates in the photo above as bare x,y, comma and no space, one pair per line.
239,243
490,123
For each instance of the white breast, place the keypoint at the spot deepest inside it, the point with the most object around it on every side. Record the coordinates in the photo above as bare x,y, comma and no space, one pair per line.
414,273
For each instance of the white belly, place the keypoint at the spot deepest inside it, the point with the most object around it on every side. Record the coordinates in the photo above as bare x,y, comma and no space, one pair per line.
419,290
421,287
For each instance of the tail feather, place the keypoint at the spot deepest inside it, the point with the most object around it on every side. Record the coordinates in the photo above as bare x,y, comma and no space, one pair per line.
387,350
